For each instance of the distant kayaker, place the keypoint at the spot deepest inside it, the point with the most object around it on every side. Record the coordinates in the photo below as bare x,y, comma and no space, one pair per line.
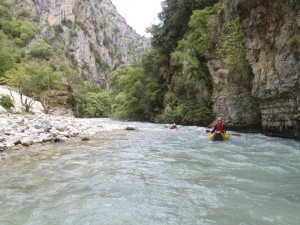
174,127
219,126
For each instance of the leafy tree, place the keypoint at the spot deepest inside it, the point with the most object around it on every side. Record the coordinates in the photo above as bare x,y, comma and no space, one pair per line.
6,62
43,78
32,80
92,104
71,78
18,77
124,83
7,3
135,94
20,29
42,50
173,24
5,12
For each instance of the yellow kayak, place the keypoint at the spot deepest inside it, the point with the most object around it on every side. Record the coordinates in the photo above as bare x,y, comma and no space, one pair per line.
219,137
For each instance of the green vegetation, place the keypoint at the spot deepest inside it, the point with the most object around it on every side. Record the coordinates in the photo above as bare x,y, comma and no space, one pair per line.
171,82
6,102
232,49
7,62
135,94
58,29
188,98
35,70
146,91
174,24
42,50
201,29
20,30
91,104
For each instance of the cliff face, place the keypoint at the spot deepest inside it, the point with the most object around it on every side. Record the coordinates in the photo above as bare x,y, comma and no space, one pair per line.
270,97
91,32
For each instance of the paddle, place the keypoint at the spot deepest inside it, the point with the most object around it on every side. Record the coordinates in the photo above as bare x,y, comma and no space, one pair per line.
208,131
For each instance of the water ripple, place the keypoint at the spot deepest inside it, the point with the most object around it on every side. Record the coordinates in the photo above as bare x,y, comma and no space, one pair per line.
153,176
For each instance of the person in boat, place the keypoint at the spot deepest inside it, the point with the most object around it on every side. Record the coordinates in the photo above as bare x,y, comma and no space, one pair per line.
174,127
219,126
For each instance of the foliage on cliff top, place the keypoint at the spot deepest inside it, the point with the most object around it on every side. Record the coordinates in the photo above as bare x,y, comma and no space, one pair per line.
32,67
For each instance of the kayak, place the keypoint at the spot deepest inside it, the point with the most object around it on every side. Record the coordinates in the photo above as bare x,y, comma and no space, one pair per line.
219,137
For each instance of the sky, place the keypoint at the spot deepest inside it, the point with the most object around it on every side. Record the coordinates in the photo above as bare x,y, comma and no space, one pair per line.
139,14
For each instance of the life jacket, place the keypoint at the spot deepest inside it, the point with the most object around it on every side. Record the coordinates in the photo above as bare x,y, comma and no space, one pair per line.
220,127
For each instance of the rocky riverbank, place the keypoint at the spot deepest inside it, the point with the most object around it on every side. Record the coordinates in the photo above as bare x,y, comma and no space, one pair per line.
17,131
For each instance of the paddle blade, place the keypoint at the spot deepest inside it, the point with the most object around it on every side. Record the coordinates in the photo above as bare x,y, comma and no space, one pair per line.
207,131
235,134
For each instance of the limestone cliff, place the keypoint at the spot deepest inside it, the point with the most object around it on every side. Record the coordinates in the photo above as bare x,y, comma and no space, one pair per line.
269,96
95,37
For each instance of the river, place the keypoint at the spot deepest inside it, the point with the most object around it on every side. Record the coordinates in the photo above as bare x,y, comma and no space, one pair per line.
153,176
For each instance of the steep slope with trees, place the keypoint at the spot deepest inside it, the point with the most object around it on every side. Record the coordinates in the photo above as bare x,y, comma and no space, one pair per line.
232,58
235,59
60,52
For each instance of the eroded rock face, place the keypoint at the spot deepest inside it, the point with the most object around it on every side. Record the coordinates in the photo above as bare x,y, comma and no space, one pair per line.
272,43
92,32
271,29
233,99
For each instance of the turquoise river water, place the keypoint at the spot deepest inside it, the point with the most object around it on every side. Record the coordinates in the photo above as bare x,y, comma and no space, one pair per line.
153,176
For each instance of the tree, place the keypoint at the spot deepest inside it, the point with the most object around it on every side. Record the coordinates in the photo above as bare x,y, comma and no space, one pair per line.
19,78
6,62
42,50
92,104
173,24
135,94
33,80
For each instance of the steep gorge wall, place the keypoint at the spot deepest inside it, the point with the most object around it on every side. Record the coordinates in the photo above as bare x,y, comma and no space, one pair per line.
271,98
91,32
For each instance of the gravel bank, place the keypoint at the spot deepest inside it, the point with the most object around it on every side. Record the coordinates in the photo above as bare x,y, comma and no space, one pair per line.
17,131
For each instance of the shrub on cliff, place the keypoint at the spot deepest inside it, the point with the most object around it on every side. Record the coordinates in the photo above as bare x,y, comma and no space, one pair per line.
188,100
232,49
6,102
42,50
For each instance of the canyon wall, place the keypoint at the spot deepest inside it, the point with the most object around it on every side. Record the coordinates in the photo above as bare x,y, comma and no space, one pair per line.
91,32
267,98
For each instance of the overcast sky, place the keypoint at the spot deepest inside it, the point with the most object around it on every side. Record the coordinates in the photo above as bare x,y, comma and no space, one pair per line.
139,14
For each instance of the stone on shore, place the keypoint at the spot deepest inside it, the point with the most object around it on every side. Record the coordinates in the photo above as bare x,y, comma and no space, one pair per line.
26,130
130,128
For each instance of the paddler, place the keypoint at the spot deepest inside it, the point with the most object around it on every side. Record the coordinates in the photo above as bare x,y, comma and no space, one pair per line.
174,127
219,126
